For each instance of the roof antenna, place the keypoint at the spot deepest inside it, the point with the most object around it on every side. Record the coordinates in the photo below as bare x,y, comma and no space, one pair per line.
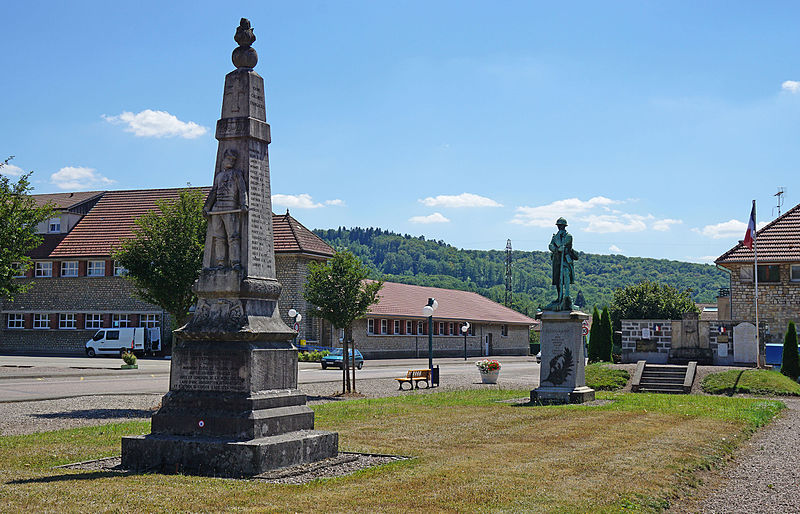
779,198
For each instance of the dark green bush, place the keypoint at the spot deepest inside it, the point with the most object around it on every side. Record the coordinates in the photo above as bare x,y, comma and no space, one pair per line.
791,359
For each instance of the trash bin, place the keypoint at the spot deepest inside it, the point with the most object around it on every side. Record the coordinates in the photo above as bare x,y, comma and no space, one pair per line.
435,376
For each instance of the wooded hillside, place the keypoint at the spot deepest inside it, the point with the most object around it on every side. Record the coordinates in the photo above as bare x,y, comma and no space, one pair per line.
415,260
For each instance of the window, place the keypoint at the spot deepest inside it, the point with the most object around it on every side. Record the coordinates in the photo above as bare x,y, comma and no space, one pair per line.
16,320
67,321
370,326
44,269
746,273
54,226
396,326
119,270
504,330
441,328
41,321
150,320
94,321
794,273
452,329
409,326
19,270
120,320
420,327
769,273
472,329
96,269
69,269
384,326
112,335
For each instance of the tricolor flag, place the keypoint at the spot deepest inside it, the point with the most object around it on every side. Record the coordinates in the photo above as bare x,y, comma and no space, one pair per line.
750,235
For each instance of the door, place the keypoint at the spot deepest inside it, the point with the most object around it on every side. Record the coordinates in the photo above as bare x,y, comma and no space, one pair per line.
111,343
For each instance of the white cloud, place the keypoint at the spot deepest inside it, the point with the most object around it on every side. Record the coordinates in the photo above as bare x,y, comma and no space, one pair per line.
618,222
664,225
149,123
336,202
436,217
546,215
301,201
793,86
462,200
11,170
615,249
79,178
726,229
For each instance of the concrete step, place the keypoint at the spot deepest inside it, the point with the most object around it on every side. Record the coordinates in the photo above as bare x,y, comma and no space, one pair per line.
663,378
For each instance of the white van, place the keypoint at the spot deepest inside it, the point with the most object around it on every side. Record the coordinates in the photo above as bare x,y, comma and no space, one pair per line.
116,341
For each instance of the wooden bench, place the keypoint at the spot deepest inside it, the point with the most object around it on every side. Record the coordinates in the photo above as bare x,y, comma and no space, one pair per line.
414,377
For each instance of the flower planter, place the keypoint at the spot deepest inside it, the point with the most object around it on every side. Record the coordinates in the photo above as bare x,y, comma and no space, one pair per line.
129,366
490,377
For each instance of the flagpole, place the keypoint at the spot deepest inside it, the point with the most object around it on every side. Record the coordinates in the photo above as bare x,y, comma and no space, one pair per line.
755,275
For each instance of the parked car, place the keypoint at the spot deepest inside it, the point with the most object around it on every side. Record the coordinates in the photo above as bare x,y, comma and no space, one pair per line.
335,359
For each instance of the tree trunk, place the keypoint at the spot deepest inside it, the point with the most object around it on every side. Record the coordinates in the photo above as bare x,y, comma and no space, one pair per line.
346,361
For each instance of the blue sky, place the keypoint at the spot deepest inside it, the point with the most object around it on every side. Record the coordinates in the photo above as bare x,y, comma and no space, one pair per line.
650,126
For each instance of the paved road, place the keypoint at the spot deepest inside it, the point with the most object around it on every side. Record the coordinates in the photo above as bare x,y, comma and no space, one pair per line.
38,378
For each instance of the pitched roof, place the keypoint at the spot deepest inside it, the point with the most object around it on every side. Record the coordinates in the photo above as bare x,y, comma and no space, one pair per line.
112,220
405,300
779,241
292,237
65,201
49,242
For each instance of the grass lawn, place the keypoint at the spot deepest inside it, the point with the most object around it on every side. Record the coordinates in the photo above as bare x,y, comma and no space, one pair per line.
750,381
600,377
473,453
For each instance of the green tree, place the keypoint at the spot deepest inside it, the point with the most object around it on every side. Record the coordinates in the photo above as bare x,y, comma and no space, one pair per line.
606,336
340,294
20,215
580,300
649,300
165,255
595,338
791,359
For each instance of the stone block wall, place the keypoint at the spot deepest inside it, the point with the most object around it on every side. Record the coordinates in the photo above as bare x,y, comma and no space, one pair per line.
633,344
778,302
70,295
292,271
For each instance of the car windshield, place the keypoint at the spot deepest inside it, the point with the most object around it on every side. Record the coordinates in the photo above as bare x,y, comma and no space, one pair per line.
338,351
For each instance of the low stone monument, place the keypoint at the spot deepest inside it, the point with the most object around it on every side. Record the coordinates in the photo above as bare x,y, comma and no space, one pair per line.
561,377
233,408
744,344
690,341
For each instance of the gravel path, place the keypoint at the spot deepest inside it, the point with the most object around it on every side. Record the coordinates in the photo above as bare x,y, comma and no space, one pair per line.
764,475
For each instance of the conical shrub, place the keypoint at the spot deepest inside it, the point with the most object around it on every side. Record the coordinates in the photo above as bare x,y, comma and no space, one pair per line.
594,337
791,359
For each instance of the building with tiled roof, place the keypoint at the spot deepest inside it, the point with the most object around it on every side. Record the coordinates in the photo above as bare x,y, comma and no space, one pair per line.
778,246
396,327
76,288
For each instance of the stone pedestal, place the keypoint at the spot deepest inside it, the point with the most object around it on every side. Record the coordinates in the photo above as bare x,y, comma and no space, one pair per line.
562,378
233,408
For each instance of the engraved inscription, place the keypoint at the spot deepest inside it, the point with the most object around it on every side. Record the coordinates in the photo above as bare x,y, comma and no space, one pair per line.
202,373
260,252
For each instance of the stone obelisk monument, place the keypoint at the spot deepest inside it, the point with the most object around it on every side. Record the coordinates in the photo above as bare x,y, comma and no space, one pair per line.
561,376
233,408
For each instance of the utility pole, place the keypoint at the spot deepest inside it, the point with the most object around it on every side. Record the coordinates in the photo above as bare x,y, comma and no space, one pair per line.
509,299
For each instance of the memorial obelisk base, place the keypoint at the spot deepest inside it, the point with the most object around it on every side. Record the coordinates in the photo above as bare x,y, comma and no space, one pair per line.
562,378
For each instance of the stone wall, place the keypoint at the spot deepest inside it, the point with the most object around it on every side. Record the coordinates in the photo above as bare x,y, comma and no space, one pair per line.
778,302
655,349
292,272
378,346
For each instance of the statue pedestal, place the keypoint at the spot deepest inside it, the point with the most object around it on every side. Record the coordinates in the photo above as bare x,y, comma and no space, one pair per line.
562,378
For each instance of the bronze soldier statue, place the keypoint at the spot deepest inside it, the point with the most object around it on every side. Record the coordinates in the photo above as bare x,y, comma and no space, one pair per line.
563,257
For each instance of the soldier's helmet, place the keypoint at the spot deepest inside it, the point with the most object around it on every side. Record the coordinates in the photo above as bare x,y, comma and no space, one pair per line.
561,221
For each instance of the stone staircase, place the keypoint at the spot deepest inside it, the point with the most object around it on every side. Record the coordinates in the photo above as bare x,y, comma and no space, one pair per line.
663,378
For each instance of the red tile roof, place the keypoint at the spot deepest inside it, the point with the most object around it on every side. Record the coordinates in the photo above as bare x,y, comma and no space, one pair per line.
112,220
407,301
65,201
779,241
49,242
292,237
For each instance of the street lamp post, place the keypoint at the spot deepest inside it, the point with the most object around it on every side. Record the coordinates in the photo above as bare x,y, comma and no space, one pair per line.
464,330
296,316
428,311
